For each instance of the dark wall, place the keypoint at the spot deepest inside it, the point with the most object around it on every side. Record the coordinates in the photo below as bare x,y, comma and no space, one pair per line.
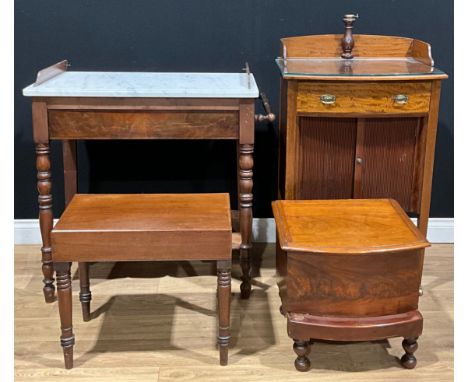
203,35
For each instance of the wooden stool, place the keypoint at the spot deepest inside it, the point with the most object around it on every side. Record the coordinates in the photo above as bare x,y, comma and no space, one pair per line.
142,227
349,270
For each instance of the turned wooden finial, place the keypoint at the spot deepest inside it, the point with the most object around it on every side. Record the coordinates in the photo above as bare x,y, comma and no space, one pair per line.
347,43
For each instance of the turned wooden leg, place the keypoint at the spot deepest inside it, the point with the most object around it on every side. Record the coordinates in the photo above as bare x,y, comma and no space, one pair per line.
44,187
245,213
85,292
302,349
64,292
224,308
408,360
282,311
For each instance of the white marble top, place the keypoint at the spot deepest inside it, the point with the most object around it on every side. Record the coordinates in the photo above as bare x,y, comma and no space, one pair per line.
144,84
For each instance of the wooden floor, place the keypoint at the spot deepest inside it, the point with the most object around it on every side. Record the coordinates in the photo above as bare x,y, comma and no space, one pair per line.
157,322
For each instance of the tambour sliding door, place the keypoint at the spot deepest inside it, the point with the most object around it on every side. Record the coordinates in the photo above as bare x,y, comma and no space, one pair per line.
339,158
325,158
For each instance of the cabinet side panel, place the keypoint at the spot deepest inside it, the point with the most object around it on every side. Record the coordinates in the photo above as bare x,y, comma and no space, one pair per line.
388,159
326,158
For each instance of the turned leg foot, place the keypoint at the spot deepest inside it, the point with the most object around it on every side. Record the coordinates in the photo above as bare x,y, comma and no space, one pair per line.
85,292
224,308
282,311
64,294
49,293
408,360
302,349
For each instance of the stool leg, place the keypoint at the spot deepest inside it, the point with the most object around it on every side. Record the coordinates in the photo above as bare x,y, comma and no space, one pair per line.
64,293
408,360
302,349
85,292
224,308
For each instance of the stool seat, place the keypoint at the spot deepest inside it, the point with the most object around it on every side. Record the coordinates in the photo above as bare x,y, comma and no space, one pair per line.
148,226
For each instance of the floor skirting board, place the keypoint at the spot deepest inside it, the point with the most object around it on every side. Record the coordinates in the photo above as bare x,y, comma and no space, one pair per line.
440,230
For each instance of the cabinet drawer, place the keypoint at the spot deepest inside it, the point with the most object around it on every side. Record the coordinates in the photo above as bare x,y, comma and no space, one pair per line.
343,98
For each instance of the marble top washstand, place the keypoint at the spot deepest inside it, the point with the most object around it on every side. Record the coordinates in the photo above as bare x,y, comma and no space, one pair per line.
146,84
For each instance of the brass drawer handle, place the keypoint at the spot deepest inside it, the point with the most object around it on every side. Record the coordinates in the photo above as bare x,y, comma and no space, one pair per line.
400,99
328,99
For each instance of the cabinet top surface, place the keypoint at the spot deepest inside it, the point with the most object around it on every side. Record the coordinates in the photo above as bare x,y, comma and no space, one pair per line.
345,226
356,68
146,84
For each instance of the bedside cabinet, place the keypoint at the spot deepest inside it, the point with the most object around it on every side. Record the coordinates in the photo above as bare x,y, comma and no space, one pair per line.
361,127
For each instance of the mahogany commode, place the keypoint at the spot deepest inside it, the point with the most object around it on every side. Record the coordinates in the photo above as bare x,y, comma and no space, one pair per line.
71,106
348,270
144,228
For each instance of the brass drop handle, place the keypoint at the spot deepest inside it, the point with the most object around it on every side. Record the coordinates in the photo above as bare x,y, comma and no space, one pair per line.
328,99
400,99
270,117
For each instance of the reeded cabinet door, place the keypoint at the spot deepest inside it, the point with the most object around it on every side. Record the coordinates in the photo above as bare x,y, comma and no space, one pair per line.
386,160
340,158
325,158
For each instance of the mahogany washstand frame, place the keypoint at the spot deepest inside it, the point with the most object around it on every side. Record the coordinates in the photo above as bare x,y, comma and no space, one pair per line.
61,118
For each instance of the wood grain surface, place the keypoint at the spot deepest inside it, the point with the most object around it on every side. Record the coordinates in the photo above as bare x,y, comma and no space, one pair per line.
130,227
143,104
69,169
355,226
282,128
427,165
289,131
144,315
330,46
40,121
325,158
389,160
360,98
51,72
143,125
353,286
304,326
